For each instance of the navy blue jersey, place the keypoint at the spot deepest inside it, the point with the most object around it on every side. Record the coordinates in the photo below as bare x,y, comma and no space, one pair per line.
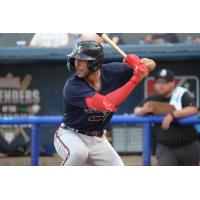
76,113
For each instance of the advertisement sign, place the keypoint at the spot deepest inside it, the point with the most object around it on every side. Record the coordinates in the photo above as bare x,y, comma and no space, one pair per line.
17,99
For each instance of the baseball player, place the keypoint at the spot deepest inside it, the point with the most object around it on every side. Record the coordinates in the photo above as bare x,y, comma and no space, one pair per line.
91,96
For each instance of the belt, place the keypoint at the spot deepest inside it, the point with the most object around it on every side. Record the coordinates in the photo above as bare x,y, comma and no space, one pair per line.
88,133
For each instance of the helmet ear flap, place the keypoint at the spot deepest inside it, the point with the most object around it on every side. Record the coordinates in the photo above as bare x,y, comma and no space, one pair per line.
70,64
93,65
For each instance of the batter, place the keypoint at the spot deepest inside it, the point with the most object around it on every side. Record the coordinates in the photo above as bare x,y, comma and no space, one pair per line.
91,96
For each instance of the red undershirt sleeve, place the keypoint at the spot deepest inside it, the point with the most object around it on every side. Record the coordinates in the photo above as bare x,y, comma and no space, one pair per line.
109,102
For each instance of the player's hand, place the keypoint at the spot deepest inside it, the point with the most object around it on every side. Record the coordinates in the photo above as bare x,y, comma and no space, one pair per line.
167,121
133,61
139,111
149,63
141,72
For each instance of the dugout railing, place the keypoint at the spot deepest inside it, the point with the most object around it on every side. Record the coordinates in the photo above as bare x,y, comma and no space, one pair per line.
146,121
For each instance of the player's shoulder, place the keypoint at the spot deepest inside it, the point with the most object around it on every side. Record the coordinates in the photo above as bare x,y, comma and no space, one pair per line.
76,87
114,67
74,83
187,95
74,80
188,99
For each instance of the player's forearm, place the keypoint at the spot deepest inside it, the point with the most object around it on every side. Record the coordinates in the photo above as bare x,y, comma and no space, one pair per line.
110,101
119,95
147,108
139,111
187,111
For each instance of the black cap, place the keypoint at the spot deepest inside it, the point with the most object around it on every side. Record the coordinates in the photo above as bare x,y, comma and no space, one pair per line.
165,74
87,50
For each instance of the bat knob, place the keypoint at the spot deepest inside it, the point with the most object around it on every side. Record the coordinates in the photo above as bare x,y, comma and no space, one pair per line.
99,34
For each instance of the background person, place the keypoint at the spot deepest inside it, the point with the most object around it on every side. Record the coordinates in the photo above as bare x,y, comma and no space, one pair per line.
161,38
176,144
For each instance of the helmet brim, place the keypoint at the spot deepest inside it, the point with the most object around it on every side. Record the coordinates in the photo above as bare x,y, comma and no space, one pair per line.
80,56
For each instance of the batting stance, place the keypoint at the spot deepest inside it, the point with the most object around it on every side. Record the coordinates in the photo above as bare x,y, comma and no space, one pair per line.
91,96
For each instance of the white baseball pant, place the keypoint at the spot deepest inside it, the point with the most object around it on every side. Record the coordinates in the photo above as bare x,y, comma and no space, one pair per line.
77,149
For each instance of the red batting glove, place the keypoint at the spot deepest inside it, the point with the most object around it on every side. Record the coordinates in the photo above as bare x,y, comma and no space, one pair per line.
141,72
133,61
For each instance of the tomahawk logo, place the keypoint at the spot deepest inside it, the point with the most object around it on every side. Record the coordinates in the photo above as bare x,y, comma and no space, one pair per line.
189,82
79,49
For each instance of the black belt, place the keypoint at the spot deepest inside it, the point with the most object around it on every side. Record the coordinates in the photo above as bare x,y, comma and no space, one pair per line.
91,133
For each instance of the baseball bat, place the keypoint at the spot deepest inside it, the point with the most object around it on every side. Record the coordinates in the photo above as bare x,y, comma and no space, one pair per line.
111,43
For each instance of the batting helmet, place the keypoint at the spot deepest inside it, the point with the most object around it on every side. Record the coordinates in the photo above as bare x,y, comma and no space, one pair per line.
91,51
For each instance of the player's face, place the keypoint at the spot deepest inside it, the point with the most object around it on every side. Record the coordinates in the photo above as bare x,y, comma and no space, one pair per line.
164,88
81,67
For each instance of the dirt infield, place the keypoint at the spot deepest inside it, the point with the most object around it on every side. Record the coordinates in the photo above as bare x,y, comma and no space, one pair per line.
55,161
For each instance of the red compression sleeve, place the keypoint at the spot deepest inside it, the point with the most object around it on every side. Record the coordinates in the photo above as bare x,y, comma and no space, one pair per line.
100,102
120,94
109,102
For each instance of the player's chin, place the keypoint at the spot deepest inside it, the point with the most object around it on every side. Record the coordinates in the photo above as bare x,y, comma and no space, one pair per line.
80,75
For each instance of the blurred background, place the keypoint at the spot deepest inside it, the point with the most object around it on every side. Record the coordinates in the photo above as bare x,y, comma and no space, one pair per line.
33,72
69,39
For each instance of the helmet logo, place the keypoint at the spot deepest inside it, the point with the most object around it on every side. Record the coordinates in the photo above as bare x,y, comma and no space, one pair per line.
79,49
163,73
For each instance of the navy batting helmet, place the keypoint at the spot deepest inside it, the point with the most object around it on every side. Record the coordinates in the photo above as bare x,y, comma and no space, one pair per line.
91,51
